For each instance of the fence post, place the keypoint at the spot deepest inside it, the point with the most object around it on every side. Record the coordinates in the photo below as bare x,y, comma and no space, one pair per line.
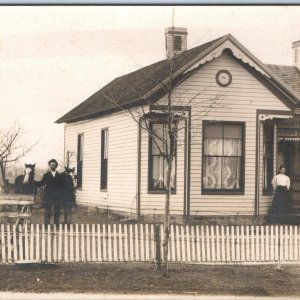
158,247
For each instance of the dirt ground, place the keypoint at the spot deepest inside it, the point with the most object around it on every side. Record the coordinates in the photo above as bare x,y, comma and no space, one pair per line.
142,278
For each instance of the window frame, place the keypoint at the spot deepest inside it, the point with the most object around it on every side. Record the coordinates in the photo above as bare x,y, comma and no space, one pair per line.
80,154
241,190
103,147
151,189
268,191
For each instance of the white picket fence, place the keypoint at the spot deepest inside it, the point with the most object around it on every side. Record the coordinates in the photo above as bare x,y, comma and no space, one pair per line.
143,242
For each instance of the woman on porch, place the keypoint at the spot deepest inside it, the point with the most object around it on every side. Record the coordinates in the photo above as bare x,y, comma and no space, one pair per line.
281,185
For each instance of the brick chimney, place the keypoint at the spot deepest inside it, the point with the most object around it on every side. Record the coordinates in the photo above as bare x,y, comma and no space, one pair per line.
176,40
296,59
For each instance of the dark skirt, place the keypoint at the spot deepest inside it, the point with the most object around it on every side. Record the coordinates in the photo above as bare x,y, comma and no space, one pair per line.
280,204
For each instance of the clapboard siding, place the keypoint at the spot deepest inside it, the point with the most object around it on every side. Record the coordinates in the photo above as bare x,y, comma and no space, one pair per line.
239,102
122,161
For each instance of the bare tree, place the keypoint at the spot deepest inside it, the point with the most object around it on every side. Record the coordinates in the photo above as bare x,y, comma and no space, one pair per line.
173,112
11,150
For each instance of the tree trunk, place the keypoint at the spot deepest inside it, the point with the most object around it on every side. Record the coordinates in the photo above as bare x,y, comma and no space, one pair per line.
3,179
167,219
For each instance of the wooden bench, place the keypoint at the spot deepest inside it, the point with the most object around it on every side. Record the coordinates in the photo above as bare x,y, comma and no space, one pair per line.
20,206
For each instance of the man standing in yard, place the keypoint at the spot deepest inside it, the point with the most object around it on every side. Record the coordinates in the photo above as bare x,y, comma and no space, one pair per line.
52,198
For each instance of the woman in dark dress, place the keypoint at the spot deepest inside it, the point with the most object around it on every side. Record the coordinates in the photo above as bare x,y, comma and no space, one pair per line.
281,185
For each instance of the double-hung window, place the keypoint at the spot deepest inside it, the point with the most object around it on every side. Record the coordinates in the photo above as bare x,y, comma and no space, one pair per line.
79,159
159,143
223,157
104,158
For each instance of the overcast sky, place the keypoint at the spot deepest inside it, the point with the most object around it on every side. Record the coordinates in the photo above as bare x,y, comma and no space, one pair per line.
52,58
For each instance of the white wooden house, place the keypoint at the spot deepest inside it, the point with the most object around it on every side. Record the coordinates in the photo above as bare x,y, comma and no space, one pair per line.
242,123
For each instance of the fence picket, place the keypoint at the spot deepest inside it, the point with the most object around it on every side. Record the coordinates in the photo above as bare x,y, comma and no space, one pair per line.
93,243
257,241
152,255
295,258
59,249
242,243
88,243
276,243
281,243
182,238
77,253
188,246
109,243
48,244
212,243
66,246
253,257
104,241
178,246
262,243
286,243
232,237
131,251
147,243
227,244
71,243
54,250
198,244
21,245
37,241
142,252
126,242
9,240
247,244
222,244
162,238
291,248
272,245
218,242
267,240
208,243
82,246
2,243
193,243
99,255
115,241
238,248
31,246
172,243
120,232
136,240
43,244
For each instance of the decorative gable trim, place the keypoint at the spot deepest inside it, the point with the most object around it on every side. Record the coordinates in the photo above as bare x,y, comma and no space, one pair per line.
236,52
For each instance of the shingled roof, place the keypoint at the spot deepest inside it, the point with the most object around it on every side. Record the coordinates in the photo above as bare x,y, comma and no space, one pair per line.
131,87
138,87
289,74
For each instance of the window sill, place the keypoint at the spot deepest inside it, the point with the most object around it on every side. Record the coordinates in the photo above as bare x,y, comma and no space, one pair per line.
103,190
161,192
267,193
223,193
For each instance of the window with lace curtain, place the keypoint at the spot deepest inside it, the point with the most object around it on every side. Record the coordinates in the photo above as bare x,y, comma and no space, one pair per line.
223,157
158,143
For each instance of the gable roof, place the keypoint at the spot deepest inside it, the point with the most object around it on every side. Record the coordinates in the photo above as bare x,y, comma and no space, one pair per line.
141,85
